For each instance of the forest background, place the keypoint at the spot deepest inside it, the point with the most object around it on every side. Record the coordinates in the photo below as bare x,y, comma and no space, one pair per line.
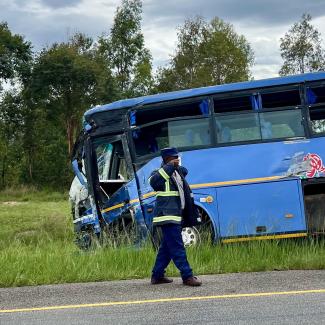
44,94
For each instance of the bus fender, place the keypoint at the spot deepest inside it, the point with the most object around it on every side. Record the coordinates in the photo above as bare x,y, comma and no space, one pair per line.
200,206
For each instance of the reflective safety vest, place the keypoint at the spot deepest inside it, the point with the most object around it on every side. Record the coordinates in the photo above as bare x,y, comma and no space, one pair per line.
168,202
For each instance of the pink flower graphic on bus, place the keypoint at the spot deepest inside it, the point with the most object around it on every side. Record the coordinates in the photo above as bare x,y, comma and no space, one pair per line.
315,165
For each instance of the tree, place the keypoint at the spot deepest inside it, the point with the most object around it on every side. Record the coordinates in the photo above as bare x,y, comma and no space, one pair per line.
301,48
125,51
206,54
11,125
67,80
15,55
15,63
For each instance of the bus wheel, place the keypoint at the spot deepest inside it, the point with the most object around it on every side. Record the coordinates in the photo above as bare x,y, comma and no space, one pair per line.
190,236
87,239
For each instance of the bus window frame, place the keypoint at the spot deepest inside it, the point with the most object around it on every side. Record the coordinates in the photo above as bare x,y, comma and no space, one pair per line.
303,107
312,134
169,104
223,144
156,154
111,138
269,90
286,108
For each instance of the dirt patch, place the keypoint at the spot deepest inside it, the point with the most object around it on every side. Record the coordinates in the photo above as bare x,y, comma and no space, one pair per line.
12,203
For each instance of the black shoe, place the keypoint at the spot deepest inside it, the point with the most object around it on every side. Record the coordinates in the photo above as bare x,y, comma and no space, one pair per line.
192,281
161,280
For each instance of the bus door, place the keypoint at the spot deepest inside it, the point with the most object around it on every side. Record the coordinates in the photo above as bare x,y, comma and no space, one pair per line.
116,186
111,169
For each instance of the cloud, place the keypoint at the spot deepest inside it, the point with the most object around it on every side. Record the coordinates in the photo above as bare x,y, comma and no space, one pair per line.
43,25
60,3
261,22
252,12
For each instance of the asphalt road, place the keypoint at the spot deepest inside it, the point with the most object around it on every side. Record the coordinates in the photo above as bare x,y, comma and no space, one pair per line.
290,297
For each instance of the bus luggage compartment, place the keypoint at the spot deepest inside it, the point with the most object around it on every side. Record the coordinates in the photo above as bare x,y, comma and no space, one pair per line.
314,195
259,209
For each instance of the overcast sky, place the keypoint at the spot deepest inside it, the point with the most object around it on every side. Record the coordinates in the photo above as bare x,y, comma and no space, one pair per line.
262,22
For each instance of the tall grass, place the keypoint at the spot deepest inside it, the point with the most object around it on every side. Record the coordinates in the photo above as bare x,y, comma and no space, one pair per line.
61,262
36,247
31,193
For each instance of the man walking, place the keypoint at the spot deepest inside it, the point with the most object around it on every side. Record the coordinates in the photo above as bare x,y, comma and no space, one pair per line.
174,209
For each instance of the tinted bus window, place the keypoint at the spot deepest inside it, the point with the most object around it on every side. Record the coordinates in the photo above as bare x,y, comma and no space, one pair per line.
281,124
182,134
189,133
316,95
148,115
237,127
281,99
317,119
259,126
232,104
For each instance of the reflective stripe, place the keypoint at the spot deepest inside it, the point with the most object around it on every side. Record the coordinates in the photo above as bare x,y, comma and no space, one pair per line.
167,186
163,174
167,193
167,218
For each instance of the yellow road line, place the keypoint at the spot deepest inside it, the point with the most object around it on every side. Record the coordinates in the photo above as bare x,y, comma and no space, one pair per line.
152,301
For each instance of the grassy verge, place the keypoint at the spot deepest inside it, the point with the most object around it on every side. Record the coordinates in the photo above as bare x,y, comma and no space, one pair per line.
30,193
36,247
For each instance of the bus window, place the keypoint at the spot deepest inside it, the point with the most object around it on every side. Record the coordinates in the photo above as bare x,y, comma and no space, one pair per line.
317,119
122,170
283,98
152,114
111,165
232,104
316,95
104,158
180,133
189,133
281,124
237,127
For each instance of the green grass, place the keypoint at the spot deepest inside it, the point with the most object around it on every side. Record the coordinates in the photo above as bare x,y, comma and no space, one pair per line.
36,247
30,193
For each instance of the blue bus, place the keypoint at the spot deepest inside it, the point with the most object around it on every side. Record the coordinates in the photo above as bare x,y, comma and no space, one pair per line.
254,151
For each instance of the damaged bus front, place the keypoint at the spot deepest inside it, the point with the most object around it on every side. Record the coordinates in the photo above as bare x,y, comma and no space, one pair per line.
104,193
254,151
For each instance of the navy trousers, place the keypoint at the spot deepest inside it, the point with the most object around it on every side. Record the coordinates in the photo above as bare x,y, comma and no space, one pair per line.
171,248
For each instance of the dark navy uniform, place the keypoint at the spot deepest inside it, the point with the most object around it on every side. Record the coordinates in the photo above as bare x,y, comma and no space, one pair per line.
174,209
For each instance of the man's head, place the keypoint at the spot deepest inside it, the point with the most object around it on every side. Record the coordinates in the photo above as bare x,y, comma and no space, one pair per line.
169,154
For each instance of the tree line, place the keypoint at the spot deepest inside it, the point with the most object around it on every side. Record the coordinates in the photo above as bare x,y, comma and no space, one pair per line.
44,94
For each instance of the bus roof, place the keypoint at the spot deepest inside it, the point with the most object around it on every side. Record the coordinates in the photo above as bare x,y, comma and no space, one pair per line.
188,93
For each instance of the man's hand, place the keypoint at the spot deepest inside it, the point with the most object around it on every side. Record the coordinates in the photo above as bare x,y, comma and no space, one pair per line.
174,162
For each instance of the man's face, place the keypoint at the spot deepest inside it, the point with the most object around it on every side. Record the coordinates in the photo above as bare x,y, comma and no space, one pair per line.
172,159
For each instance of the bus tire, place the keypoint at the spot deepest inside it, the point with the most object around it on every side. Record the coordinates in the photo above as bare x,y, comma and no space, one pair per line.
192,236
